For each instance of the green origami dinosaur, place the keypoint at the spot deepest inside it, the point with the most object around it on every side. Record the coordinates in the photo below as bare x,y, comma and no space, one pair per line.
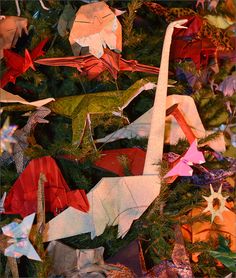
79,108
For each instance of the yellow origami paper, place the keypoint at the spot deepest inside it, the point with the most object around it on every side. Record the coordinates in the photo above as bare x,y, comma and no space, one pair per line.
121,200
96,26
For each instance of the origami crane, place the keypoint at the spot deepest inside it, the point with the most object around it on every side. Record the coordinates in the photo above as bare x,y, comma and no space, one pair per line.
6,97
11,28
182,167
173,132
121,200
6,136
19,234
96,26
92,67
16,64
22,197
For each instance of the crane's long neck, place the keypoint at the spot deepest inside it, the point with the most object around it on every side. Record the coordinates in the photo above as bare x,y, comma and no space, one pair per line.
157,128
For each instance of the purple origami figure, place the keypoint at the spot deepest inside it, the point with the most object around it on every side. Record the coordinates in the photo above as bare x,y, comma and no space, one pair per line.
228,85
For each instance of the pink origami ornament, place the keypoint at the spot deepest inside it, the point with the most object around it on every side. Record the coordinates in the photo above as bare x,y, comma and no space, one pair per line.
182,168
96,26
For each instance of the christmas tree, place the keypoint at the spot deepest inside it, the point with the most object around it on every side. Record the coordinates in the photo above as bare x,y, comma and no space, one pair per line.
89,144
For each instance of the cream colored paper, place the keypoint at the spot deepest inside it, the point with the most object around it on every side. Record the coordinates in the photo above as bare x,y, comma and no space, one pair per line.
173,132
6,97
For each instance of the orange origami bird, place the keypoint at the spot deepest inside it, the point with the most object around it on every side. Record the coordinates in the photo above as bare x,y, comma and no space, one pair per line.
92,67
16,64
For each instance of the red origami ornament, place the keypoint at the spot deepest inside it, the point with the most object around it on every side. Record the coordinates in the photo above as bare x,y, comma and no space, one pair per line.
22,198
92,67
117,160
16,64
186,44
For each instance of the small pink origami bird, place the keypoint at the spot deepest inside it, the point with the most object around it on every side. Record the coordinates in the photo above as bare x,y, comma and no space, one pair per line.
182,167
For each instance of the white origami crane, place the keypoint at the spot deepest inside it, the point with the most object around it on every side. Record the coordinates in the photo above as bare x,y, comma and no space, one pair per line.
173,132
122,200
6,97
19,234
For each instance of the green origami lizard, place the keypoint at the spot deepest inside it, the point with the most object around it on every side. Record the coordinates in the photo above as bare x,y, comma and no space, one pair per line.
79,108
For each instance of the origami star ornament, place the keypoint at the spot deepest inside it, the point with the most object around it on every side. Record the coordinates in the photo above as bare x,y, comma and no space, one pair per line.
215,199
6,136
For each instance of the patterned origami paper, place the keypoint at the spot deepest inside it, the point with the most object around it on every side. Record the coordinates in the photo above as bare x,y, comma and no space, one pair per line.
11,28
180,265
92,67
228,85
116,161
96,26
19,234
6,136
219,21
120,201
173,132
6,97
22,197
16,64
24,137
132,256
191,157
2,201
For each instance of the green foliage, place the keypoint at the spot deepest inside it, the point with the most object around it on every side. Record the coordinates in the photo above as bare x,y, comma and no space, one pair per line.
224,254
143,35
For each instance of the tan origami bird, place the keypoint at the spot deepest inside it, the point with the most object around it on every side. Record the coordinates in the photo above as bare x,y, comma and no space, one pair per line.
96,26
